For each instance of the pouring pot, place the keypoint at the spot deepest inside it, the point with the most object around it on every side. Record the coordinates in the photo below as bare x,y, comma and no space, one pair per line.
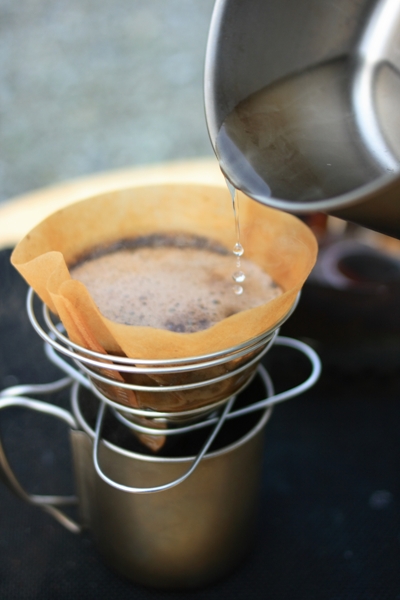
325,133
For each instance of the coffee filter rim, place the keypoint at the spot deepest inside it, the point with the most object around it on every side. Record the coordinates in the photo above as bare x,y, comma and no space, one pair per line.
126,360
217,331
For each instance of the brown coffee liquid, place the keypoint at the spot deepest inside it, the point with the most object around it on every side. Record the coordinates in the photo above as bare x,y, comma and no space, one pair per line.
179,283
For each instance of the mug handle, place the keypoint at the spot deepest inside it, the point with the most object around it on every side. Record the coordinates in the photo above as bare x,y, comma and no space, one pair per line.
13,397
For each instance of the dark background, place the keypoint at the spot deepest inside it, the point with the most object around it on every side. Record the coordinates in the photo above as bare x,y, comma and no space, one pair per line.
329,525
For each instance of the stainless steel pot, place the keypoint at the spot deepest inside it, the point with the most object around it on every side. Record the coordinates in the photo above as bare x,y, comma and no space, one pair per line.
324,135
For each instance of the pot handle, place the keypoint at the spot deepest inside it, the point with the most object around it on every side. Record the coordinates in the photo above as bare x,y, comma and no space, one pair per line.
15,397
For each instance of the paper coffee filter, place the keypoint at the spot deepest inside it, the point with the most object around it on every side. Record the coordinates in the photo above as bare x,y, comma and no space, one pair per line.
278,242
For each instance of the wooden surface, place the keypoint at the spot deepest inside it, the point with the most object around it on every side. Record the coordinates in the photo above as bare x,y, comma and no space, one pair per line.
20,214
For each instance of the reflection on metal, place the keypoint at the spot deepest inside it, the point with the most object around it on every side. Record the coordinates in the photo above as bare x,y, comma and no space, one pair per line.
302,105
373,52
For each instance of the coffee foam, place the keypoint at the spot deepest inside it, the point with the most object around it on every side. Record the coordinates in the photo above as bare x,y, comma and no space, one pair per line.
180,283
278,242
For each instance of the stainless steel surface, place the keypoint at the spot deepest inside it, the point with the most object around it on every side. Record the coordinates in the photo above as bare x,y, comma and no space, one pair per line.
182,537
179,538
325,133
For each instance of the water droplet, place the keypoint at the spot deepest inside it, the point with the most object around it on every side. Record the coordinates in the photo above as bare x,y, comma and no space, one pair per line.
238,249
238,276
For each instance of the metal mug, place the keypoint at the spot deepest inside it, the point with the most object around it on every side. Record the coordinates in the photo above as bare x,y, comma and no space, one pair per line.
175,522
327,135
185,536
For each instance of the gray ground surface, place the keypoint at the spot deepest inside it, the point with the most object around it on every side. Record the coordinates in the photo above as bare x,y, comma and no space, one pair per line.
91,85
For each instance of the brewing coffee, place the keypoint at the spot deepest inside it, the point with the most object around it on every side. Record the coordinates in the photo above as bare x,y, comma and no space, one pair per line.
178,282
